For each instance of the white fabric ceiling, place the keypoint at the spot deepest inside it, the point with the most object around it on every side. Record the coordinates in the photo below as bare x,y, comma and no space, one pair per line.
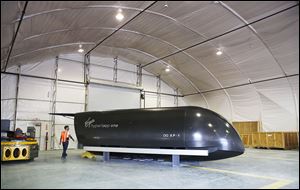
267,49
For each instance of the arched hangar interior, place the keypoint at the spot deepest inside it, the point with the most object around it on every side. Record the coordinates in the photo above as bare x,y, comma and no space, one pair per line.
166,51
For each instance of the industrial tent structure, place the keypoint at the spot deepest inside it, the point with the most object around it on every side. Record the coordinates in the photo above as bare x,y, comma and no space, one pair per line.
255,79
239,59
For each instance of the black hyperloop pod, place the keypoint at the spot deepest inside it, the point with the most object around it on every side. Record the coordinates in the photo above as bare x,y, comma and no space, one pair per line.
174,127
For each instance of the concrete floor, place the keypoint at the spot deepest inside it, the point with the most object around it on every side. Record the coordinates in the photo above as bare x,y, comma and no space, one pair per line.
257,168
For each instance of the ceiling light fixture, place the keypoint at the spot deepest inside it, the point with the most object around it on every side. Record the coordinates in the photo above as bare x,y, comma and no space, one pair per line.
80,50
119,16
167,69
166,4
219,52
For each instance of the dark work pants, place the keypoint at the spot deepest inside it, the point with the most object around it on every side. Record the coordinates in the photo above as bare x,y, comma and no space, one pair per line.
65,147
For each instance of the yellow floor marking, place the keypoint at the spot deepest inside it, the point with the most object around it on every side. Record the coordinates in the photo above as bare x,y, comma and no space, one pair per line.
236,173
272,158
277,184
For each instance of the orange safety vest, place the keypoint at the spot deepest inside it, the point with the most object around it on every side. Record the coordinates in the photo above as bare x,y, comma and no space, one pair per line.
64,136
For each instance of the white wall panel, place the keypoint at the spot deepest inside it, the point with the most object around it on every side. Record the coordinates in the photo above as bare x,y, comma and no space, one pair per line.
8,86
294,81
44,68
70,70
181,102
127,77
150,100
245,97
104,61
108,98
67,108
35,88
195,100
126,66
70,92
7,109
149,83
73,56
12,69
279,113
100,72
35,110
167,101
165,88
219,103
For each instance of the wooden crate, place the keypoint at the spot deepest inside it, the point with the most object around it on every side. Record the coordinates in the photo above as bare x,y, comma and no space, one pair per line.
246,127
291,140
255,139
284,140
247,139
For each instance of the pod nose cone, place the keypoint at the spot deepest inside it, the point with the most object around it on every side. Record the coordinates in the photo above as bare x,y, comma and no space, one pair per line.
230,139
231,143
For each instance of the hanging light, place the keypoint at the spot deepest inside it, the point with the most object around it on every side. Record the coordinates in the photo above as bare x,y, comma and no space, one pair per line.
219,52
119,15
167,69
80,50
166,4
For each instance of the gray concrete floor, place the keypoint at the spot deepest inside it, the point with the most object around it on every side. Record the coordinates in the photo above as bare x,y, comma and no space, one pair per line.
257,168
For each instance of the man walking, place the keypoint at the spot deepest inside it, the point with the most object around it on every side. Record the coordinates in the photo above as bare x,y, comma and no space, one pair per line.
64,139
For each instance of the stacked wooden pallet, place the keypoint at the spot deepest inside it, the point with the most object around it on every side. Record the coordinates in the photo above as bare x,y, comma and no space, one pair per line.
251,136
246,127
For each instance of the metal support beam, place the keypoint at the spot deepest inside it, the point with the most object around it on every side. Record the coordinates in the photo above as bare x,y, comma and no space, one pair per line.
17,95
176,97
76,82
166,94
103,66
15,36
53,105
39,77
139,73
115,69
86,79
158,86
144,99
39,100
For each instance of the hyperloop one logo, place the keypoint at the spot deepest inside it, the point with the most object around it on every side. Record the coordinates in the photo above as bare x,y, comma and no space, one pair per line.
89,122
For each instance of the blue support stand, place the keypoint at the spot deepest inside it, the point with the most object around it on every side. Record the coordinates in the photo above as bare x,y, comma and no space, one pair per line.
106,156
175,160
